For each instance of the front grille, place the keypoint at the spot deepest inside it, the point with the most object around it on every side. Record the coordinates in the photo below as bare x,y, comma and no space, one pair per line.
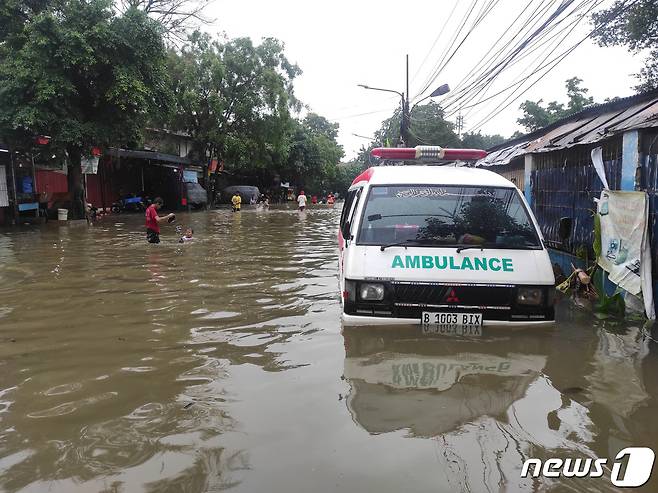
426,294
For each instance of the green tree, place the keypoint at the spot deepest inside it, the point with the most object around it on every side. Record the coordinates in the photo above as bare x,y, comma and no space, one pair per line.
363,158
427,127
346,172
314,154
78,72
234,99
536,116
634,25
479,141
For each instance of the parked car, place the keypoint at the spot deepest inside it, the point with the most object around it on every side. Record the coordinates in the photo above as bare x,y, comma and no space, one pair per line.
196,195
246,192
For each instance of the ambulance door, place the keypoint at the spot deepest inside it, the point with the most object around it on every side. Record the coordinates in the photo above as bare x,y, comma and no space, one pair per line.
345,229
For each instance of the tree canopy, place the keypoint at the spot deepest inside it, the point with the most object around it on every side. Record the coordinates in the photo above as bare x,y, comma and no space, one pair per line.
634,25
314,154
536,115
176,17
237,101
428,126
77,71
234,98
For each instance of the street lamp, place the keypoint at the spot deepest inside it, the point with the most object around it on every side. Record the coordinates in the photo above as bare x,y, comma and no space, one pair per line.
439,91
406,112
404,125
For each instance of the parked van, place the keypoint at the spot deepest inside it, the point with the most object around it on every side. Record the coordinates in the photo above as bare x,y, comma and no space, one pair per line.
454,247
247,192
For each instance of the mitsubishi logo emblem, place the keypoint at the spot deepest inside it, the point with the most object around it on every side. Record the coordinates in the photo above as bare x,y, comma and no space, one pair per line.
452,297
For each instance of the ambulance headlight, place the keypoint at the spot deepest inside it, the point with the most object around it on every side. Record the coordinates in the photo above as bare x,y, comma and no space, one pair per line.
530,296
371,291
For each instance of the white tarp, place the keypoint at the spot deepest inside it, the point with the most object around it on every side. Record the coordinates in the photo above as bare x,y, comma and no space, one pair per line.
597,160
89,165
625,253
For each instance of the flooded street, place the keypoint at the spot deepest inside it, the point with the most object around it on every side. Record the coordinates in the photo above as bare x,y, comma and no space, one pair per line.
221,364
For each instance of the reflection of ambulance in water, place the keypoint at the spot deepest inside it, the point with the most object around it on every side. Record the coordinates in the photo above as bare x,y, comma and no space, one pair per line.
403,379
438,245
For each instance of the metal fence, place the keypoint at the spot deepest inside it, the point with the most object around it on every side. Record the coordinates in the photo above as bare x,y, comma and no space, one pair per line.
565,184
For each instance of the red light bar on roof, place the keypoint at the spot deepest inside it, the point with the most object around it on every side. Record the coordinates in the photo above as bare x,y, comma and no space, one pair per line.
427,153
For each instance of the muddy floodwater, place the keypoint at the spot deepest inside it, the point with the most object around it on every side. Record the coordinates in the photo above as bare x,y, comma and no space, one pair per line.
221,364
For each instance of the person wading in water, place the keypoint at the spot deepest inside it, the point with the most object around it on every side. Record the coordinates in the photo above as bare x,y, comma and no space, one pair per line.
153,221
301,201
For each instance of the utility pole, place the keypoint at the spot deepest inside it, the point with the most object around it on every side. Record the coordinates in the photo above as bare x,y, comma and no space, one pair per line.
406,117
460,125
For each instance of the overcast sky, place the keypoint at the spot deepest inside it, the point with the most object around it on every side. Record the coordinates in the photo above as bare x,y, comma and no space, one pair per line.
343,43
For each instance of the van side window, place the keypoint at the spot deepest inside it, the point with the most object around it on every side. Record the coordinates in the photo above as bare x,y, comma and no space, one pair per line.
350,219
349,223
347,207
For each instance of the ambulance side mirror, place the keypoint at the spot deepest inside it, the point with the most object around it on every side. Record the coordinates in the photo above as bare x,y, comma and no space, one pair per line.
564,229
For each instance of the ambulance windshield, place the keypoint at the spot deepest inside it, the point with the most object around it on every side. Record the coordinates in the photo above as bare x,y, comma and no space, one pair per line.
435,215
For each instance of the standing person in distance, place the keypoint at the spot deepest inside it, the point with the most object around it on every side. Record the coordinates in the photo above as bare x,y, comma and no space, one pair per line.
153,220
301,201
236,200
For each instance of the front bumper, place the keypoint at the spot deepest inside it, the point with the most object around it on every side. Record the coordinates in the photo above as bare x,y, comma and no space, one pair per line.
404,303
357,321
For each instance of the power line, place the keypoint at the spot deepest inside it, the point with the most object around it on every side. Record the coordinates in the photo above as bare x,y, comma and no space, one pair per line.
356,115
495,57
486,78
481,17
550,65
476,75
461,26
510,99
483,82
447,22
521,79
537,34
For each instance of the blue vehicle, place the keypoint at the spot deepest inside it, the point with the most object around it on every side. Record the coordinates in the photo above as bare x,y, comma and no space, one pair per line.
130,204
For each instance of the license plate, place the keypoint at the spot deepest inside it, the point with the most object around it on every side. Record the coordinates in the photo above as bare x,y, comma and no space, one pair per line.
458,319
453,330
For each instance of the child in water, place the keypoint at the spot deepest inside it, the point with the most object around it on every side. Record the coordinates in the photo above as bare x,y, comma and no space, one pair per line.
187,236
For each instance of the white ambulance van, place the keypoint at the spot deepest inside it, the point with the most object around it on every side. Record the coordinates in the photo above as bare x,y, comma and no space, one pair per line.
441,246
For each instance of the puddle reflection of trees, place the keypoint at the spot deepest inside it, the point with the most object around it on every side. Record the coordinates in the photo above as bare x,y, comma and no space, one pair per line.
212,471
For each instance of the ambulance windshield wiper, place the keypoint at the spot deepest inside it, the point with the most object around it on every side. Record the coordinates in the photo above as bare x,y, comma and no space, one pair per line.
405,243
466,247
482,246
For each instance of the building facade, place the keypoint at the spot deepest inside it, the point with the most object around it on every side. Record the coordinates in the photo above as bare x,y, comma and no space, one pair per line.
554,169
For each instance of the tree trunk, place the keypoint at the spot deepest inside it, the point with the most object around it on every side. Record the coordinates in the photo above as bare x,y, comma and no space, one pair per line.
75,184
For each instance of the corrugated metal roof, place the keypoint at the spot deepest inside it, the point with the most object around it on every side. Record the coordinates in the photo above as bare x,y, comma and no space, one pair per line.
589,126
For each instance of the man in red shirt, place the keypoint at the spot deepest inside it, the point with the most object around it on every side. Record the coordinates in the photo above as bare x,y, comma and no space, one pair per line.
153,221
